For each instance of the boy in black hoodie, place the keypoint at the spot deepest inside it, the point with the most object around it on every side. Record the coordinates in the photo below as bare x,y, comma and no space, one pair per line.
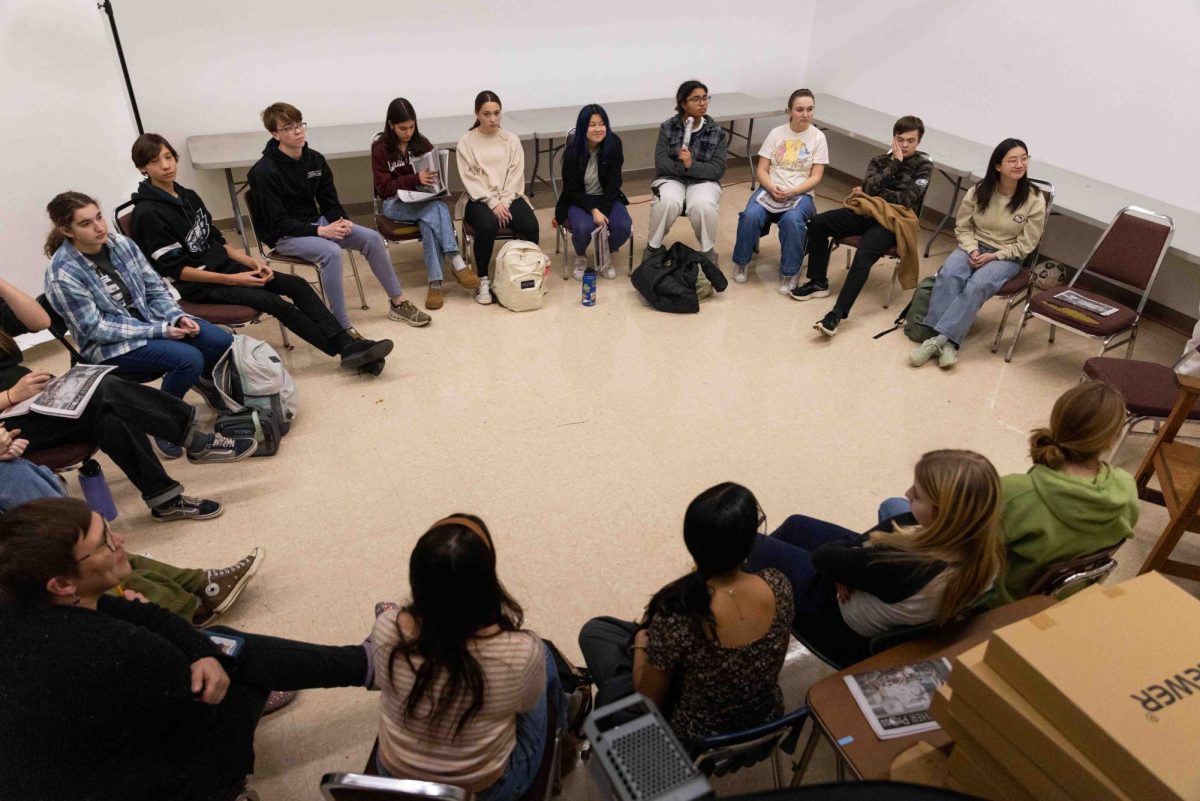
173,228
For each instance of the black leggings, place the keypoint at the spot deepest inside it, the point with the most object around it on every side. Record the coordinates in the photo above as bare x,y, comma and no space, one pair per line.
524,224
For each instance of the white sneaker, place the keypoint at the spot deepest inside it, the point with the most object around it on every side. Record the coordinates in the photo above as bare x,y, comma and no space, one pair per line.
608,271
739,273
484,293
787,283
580,267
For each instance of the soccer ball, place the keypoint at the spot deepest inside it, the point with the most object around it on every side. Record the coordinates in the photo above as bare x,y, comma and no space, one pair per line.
1048,274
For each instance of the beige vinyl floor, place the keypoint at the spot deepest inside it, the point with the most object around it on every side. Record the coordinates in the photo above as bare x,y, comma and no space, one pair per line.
580,435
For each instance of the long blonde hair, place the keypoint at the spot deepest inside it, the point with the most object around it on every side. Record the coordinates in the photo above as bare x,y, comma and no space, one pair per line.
965,531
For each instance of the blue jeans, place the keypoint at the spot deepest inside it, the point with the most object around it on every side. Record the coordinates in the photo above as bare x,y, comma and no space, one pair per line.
437,229
959,292
789,550
526,756
620,226
793,232
893,507
327,255
22,481
181,361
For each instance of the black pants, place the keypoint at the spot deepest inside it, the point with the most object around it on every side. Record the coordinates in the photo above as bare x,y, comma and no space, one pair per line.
117,420
306,316
605,644
524,224
842,222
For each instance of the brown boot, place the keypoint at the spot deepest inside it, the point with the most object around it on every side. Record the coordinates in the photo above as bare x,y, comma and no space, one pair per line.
433,298
467,278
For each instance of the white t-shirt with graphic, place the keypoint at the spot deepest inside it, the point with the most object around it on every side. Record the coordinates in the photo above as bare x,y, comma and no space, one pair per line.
792,155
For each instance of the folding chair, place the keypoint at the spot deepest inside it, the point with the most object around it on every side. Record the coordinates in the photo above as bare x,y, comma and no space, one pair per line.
723,754
1061,579
563,229
890,253
270,255
1018,288
1148,388
358,787
392,232
1128,253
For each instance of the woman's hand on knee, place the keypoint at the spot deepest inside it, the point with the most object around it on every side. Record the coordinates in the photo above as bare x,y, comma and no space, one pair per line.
209,680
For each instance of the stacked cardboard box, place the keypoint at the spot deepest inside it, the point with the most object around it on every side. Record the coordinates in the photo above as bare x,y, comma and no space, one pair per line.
1096,698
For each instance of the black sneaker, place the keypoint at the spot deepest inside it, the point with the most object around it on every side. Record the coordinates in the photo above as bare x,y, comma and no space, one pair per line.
221,448
185,507
364,351
208,390
167,450
372,368
810,289
828,324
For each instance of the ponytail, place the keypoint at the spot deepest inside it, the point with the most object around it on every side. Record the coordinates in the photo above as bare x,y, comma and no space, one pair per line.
61,210
1083,425
1045,451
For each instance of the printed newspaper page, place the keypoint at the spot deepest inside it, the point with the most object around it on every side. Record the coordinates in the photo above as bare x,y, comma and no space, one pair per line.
68,394
1094,306
896,700
436,160
777,206
600,247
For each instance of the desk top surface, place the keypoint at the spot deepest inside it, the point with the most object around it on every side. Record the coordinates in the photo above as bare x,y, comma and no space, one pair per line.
836,711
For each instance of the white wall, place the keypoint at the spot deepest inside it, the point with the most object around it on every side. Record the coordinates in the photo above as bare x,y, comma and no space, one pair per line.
67,123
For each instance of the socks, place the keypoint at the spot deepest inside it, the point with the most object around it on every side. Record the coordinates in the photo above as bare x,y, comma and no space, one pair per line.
435,285
457,261
941,339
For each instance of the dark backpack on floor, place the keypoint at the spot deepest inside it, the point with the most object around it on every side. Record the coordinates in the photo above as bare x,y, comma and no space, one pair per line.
914,312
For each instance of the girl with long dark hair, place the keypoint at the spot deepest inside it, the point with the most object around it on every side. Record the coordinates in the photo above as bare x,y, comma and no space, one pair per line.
591,192
1000,222
465,687
710,645
392,154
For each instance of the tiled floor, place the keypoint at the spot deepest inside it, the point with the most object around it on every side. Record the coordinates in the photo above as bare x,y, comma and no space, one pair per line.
580,434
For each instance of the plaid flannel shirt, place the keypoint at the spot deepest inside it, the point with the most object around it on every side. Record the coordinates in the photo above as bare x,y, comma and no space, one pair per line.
102,327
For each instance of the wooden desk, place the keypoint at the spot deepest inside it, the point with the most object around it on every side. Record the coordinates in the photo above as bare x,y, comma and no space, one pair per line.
836,714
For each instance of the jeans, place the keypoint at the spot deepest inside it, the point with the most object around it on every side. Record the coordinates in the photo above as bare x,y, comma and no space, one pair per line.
22,481
838,223
327,255
437,229
620,226
793,232
306,316
480,217
181,361
526,756
959,291
893,507
789,550
117,420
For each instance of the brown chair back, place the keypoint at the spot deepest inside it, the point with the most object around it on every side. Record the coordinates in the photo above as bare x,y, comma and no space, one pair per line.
1131,249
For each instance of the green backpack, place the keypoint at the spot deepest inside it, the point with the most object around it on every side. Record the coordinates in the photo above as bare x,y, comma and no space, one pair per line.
914,312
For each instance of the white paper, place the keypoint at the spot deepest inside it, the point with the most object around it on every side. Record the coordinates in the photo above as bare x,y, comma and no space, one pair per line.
436,160
1094,306
66,395
600,247
777,206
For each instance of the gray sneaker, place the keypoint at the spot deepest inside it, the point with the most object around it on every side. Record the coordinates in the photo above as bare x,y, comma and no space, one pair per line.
407,312
949,356
925,351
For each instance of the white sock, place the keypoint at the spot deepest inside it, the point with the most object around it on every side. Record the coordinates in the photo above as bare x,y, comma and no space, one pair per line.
457,261
941,339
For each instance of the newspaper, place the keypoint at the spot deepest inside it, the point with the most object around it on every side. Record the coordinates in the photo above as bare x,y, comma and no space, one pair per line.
600,247
896,701
436,160
1094,306
64,396
774,206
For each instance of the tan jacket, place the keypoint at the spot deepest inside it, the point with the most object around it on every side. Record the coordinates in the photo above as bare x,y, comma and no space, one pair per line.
902,222
492,168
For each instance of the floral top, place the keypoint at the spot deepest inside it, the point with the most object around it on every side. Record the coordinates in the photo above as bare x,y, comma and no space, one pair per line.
722,690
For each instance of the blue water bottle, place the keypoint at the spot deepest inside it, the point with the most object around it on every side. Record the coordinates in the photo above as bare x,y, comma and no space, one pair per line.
589,287
95,490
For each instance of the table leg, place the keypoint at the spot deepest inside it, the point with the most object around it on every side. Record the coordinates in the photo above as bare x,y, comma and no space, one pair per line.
750,157
237,209
537,156
957,183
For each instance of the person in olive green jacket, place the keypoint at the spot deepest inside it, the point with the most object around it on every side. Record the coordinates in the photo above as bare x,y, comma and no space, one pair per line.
1070,503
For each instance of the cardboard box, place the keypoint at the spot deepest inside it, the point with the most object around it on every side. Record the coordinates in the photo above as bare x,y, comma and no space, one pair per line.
956,717
1117,670
974,769
975,683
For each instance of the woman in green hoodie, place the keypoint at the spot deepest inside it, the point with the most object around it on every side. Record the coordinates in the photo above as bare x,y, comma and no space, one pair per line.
1070,503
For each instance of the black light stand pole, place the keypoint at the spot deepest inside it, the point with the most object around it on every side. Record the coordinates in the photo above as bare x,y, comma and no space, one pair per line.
107,8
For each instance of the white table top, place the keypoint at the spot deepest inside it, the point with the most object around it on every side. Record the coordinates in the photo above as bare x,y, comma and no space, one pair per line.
641,115
220,151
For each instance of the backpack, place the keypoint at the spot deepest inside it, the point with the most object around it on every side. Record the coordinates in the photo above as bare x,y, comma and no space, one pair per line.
520,277
264,428
914,312
250,375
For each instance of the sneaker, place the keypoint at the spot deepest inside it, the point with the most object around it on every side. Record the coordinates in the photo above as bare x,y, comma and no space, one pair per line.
433,298
185,507
925,351
787,283
203,617
810,289
278,699
949,356
739,273
364,351
828,324
406,312
652,251
221,448
580,268
168,450
609,271
208,390
484,293
223,586
467,278
712,256
372,368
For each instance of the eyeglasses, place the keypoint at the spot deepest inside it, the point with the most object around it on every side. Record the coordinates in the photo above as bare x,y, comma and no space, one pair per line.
293,129
702,99
1013,162
107,543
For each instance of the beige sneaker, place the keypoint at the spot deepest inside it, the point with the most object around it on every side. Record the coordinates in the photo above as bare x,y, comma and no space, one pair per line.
406,312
